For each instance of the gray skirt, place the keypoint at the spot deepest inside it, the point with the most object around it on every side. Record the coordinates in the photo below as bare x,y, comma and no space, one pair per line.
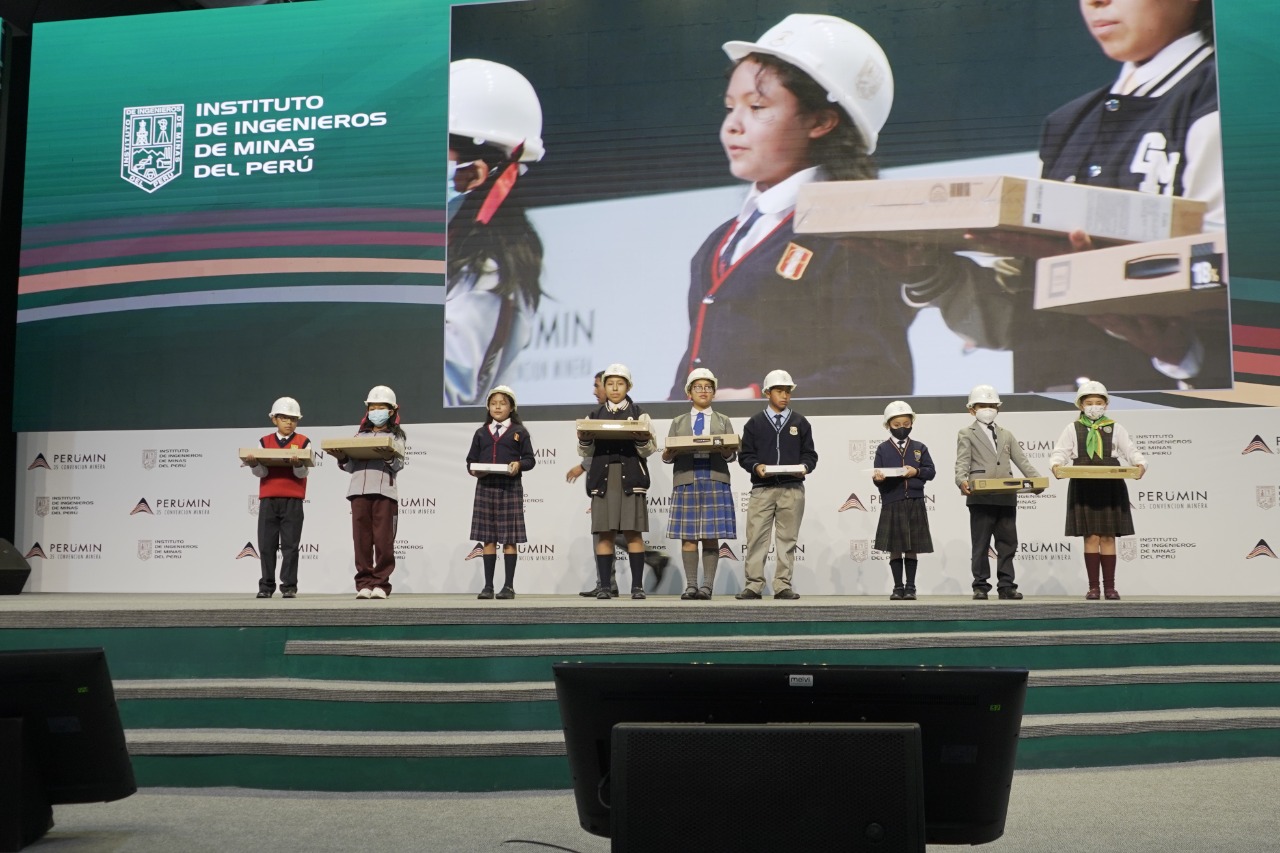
616,511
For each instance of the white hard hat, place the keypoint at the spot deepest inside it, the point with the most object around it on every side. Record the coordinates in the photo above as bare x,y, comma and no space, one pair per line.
617,370
841,57
494,104
1089,388
700,373
286,406
895,409
984,394
778,377
501,389
381,394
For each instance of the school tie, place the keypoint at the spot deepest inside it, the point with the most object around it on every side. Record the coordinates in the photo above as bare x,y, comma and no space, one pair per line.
726,257
902,446
777,422
699,423
497,431
995,441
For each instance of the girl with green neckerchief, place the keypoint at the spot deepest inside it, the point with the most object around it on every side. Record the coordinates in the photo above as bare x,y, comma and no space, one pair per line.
1098,509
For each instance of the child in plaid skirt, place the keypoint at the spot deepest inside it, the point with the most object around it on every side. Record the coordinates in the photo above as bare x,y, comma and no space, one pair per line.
903,530
498,512
701,500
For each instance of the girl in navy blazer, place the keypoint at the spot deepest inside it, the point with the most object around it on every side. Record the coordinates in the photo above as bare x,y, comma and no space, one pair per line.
498,512
903,530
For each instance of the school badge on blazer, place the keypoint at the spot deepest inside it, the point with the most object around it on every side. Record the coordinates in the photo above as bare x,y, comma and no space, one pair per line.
795,260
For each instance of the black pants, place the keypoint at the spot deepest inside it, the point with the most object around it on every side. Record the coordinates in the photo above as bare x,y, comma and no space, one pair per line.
1001,522
279,524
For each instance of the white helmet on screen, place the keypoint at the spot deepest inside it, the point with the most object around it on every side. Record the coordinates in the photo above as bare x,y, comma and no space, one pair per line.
896,409
984,394
286,406
381,394
841,57
494,104
777,378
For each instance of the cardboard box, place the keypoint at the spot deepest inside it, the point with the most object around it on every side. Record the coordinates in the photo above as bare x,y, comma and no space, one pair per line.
272,457
770,470
1009,485
613,429
701,443
490,468
365,447
943,210
1176,277
1097,472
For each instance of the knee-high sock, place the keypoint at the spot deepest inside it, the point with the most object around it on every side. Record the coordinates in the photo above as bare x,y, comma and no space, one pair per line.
490,563
690,560
1091,563
509,568
911,563
1108,571
710,561
604,565
895,566
637,569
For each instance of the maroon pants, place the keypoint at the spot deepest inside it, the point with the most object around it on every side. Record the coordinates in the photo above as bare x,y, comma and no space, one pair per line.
373,528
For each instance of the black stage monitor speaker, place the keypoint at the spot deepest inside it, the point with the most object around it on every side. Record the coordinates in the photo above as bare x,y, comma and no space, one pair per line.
14,570
743,788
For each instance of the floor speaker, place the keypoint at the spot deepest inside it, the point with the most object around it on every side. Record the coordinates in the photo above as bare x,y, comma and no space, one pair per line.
14,570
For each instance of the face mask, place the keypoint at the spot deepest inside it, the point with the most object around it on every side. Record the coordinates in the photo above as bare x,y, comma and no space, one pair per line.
452,198
378,417
985,416
900,432
1094,412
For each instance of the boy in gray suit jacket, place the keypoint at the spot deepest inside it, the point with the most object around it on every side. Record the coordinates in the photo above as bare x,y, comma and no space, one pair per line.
985,450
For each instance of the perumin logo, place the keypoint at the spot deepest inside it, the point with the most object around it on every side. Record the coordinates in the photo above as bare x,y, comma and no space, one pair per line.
726,553
39,462
248,551
852,502
151,145
141,506
36,551
1262,549
476,551
1256,446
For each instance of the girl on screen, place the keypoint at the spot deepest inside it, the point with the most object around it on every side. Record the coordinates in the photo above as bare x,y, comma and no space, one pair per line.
805,103
497,515
494,261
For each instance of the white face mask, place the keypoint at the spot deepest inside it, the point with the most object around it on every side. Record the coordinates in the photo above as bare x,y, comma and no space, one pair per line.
986,416
1094,412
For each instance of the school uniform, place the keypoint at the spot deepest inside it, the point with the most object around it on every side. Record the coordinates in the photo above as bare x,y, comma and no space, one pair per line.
375,513
988,451
904,519
618,479
282,490
497,513
484,331
1097,507
759,291
776,503
701,497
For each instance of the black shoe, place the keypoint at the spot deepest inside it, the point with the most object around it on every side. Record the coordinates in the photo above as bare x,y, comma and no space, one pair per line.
506,593
787,594
637,592
486,593
979,595
899,593
704,593
603,595
613,591
262,593
1010,595
689,594
288,593
909,594
747,595
590,593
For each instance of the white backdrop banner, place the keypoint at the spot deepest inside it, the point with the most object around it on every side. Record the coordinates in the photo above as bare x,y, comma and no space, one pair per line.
175,512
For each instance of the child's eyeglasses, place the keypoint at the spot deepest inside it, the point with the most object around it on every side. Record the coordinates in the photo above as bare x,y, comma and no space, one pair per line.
702,388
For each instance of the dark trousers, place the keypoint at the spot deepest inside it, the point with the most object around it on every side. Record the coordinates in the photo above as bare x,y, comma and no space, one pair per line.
985,522
373,528
279,525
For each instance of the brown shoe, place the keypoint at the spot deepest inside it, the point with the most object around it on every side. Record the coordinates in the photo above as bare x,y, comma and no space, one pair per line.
1111,594
1093,594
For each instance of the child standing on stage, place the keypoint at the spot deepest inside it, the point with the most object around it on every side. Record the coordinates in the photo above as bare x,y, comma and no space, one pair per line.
775,508
903,529
805,103
281,491
701,500
618,482
985,450
375,502
1097,509
498,512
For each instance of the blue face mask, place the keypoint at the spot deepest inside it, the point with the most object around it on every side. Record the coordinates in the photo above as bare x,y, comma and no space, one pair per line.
452,197
378,417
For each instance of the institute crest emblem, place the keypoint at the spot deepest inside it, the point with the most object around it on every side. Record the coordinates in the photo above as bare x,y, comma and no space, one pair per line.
144,549
149,459
859,550
42,506
151,146
1266,497
1128,549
